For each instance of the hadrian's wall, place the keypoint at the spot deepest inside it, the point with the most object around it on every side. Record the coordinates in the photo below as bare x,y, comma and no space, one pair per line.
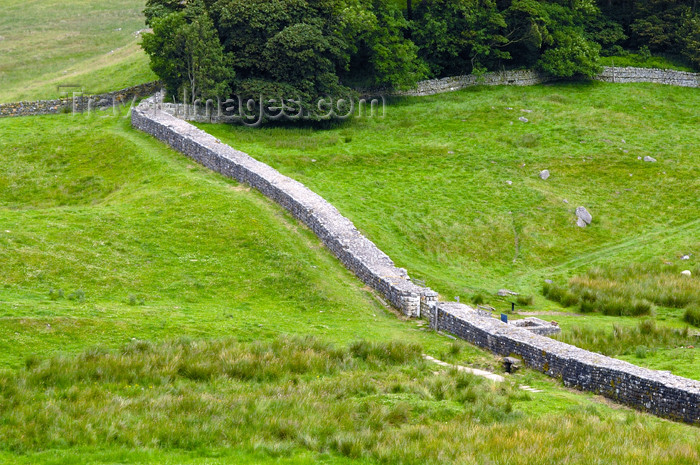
656,392
338,233
79,103
659,393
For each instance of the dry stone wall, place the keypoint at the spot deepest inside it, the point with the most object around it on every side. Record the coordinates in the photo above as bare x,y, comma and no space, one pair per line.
79,103
529,78
658,76
338,233
656,392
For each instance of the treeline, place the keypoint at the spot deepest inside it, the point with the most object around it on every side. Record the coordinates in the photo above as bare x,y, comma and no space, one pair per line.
311,48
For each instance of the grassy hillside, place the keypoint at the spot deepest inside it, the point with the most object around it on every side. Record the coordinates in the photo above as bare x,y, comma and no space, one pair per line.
90,43
430,185
193,287
107,236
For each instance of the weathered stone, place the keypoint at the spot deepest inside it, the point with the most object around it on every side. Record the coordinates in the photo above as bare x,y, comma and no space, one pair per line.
686,273
505,293
650,159
584,218
523,119
544,175
511,364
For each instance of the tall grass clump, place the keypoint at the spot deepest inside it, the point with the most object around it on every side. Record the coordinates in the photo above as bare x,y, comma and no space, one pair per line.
287,393
633,290
622,340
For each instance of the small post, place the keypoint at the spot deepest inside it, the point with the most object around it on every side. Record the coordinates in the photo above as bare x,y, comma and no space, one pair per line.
512,307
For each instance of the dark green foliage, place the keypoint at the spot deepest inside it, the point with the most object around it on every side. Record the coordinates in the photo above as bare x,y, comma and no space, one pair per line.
186,53
525,300
459,36
307,49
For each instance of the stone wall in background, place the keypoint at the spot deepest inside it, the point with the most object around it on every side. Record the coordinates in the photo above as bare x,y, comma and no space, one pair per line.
80,103
657,76
656,392
429,87
338,233
529,78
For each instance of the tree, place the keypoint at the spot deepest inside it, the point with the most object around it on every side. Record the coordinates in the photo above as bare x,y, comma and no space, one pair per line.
459,36
186,53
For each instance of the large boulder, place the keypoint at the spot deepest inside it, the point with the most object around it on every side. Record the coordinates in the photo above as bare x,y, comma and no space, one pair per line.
584,218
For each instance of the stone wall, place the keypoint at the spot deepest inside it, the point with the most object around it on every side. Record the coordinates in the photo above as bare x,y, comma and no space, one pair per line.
658,76
501,78
656,392
338,233
79,103
529,78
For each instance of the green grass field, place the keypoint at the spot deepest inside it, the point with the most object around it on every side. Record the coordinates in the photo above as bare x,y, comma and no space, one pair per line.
89,43
142,295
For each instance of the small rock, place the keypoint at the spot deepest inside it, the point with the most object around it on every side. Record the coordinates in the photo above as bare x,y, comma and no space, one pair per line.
686,273
509,108
548,281
639,158
510,183
313,160
685,257
565,201
523,119
505,293
511,364
544,175
451,152
623,141
650,159
584,218
526,111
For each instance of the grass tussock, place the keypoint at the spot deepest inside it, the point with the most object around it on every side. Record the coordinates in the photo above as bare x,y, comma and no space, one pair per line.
291,392
368,402
646,337
633,290
589,301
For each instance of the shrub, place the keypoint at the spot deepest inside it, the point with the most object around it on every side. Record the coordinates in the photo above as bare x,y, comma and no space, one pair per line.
559,294
525,300
692,314
478,299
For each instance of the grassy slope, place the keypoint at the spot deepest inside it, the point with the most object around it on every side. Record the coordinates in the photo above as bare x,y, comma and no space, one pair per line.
108,212
428,182
92,43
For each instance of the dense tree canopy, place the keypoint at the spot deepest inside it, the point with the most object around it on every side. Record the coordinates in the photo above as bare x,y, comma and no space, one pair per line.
312,48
